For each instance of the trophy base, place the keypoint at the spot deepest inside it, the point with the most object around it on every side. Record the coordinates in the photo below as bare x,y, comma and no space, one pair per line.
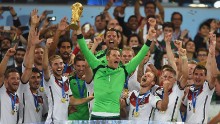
74,26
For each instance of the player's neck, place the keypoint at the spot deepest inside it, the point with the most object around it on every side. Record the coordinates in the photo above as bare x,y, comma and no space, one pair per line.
144,90
33,90
59,77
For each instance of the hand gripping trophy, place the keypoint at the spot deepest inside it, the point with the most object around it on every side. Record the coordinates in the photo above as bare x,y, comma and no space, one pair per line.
77,10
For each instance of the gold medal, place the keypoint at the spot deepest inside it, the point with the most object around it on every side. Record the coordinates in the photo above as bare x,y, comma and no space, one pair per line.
194,110
37,110
136,114
126,90
41,89
12,112
63,100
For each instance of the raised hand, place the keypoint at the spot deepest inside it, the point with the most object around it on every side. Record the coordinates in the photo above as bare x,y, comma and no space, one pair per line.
34,37
34,17
168,37
182,52
62,26
49,42
151,34
11,51
43,15
178,44
166,85
152,22
97,40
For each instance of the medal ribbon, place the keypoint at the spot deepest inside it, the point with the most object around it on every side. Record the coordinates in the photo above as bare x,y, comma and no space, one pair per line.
42,80
36,103
194,97
63,90
13,100
137,104
81,91
183,116
126,83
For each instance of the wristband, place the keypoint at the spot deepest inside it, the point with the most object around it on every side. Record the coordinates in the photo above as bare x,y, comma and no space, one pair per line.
148,43
80,36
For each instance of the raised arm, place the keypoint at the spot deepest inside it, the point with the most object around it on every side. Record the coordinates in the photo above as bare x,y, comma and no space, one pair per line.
89,56
171,60
163,104
29,55
62,26
137,10
160,8
184,68
3,64
140,71
46,61
211,64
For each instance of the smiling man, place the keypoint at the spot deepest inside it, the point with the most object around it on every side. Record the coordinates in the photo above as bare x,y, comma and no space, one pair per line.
109,79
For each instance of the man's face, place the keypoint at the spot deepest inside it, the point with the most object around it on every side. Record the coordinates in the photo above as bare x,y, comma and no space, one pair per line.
190,47
19,56
217,87
35,80
5,44
80,67
149,10
133,42
100,24
191,68
199,77
168,30
133,23
111,39
57,67
13,81
113,59
65,50
126,56
147,79
177,21
112,23
202,56
217,44
167,75
38,56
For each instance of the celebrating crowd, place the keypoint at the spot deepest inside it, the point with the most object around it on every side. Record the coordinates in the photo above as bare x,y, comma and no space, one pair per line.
144,69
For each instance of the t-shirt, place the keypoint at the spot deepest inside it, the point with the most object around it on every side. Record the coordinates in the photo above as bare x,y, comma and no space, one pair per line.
58,111
203,101
7,106
108,82
172,112
29,103
78,87
145,107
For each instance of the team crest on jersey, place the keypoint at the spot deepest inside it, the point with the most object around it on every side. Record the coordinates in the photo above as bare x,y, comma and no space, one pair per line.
133,98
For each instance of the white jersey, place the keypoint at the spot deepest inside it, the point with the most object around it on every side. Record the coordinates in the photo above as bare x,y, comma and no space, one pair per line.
203,101
58,101
33,106
145,107
172,112
90,91
133,84
7,116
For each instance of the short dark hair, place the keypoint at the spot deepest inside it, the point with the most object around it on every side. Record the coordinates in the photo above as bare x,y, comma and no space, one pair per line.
20,49
62,40
79,57
109,50
132,16
169,25
10,70
200,67
176,13
111,29
202,49
134,35
35,70
170,70
204,24
150,2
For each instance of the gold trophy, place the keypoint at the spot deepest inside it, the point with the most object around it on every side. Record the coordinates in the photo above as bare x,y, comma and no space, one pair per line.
77,10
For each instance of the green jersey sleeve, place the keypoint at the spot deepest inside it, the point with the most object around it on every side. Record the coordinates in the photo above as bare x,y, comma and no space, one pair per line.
89,56
132,65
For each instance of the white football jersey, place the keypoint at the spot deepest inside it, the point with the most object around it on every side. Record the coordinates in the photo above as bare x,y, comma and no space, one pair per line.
58,110
203,101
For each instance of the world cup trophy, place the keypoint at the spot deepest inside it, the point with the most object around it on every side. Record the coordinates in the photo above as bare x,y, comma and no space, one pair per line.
77,10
